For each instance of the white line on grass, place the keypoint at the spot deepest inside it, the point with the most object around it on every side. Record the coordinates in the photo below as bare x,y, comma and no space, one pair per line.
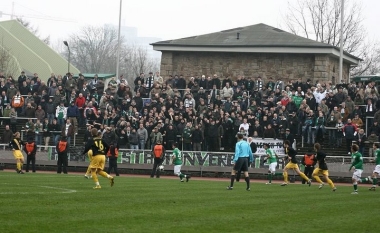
62,190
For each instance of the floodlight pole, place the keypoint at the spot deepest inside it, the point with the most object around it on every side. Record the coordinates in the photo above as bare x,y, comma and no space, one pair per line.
68,62
341,43
118,43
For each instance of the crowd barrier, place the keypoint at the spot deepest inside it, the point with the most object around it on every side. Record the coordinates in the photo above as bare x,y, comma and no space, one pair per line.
199,159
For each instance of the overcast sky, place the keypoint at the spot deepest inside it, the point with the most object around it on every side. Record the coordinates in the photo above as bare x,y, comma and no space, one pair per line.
166,19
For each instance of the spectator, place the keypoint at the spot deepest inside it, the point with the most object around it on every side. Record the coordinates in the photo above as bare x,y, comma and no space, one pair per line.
17,100
67,131
357,122
339,133
349,132
61,113
39,113
361,139
7,135
133,140
73,115
142,134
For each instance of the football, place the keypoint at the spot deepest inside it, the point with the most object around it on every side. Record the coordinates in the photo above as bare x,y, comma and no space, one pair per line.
161,167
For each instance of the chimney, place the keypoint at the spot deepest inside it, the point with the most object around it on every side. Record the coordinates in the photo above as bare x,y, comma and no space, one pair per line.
238,35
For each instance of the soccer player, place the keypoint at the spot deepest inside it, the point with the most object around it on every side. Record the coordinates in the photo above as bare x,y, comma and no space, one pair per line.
357,163
272,161
322,168
16,144
88,172
243,157
376,171
292,164
99,149
176,159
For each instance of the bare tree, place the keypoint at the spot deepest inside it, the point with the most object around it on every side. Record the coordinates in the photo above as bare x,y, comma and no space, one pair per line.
93,50
320,20
8,64
33,30
135,60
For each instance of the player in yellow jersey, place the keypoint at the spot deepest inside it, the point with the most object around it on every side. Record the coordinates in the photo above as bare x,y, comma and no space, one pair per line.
99,150
322,168
16,145
88,172
290,154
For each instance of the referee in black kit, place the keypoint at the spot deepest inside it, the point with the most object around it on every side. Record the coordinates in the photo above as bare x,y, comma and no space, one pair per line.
243,157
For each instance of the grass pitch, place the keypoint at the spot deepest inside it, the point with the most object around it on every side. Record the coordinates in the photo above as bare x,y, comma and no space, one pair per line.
67,203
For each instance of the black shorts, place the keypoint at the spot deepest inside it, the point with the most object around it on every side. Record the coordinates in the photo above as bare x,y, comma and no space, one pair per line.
241,164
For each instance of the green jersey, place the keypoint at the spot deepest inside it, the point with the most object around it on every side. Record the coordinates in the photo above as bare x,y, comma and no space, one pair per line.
297,100
377,154
357,161
271,156
177,154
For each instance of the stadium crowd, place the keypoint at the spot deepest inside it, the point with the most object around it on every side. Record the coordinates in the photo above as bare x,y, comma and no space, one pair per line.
200,113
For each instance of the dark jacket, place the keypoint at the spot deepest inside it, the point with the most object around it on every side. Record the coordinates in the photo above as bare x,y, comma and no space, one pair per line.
50,108
122,139
72,111
197,136
7,136
349,131
133,138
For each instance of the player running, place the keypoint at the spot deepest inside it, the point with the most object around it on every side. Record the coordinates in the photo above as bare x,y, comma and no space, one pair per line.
322,168
291,154
376,171
176,159
272,161
99,150
357,163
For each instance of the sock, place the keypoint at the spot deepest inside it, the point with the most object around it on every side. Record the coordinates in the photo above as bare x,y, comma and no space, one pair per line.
355,187
374,181
97,183
104,174
88,172
18,164
94,176
180,176
247,181
238,176
232,180
330,182
318,179
286,177
304,176
363,180
270,175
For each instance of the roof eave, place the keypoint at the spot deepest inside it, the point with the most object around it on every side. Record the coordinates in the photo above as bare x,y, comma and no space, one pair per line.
261,49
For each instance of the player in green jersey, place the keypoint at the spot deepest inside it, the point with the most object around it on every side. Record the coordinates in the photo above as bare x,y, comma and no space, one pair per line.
272,161
176,160
376,171
357,163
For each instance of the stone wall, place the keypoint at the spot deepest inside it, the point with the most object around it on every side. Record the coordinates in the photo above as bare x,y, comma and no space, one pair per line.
326,68
285,66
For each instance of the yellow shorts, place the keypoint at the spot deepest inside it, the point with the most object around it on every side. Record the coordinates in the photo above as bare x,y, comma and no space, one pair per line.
18,154
318,171
98,161
291,165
